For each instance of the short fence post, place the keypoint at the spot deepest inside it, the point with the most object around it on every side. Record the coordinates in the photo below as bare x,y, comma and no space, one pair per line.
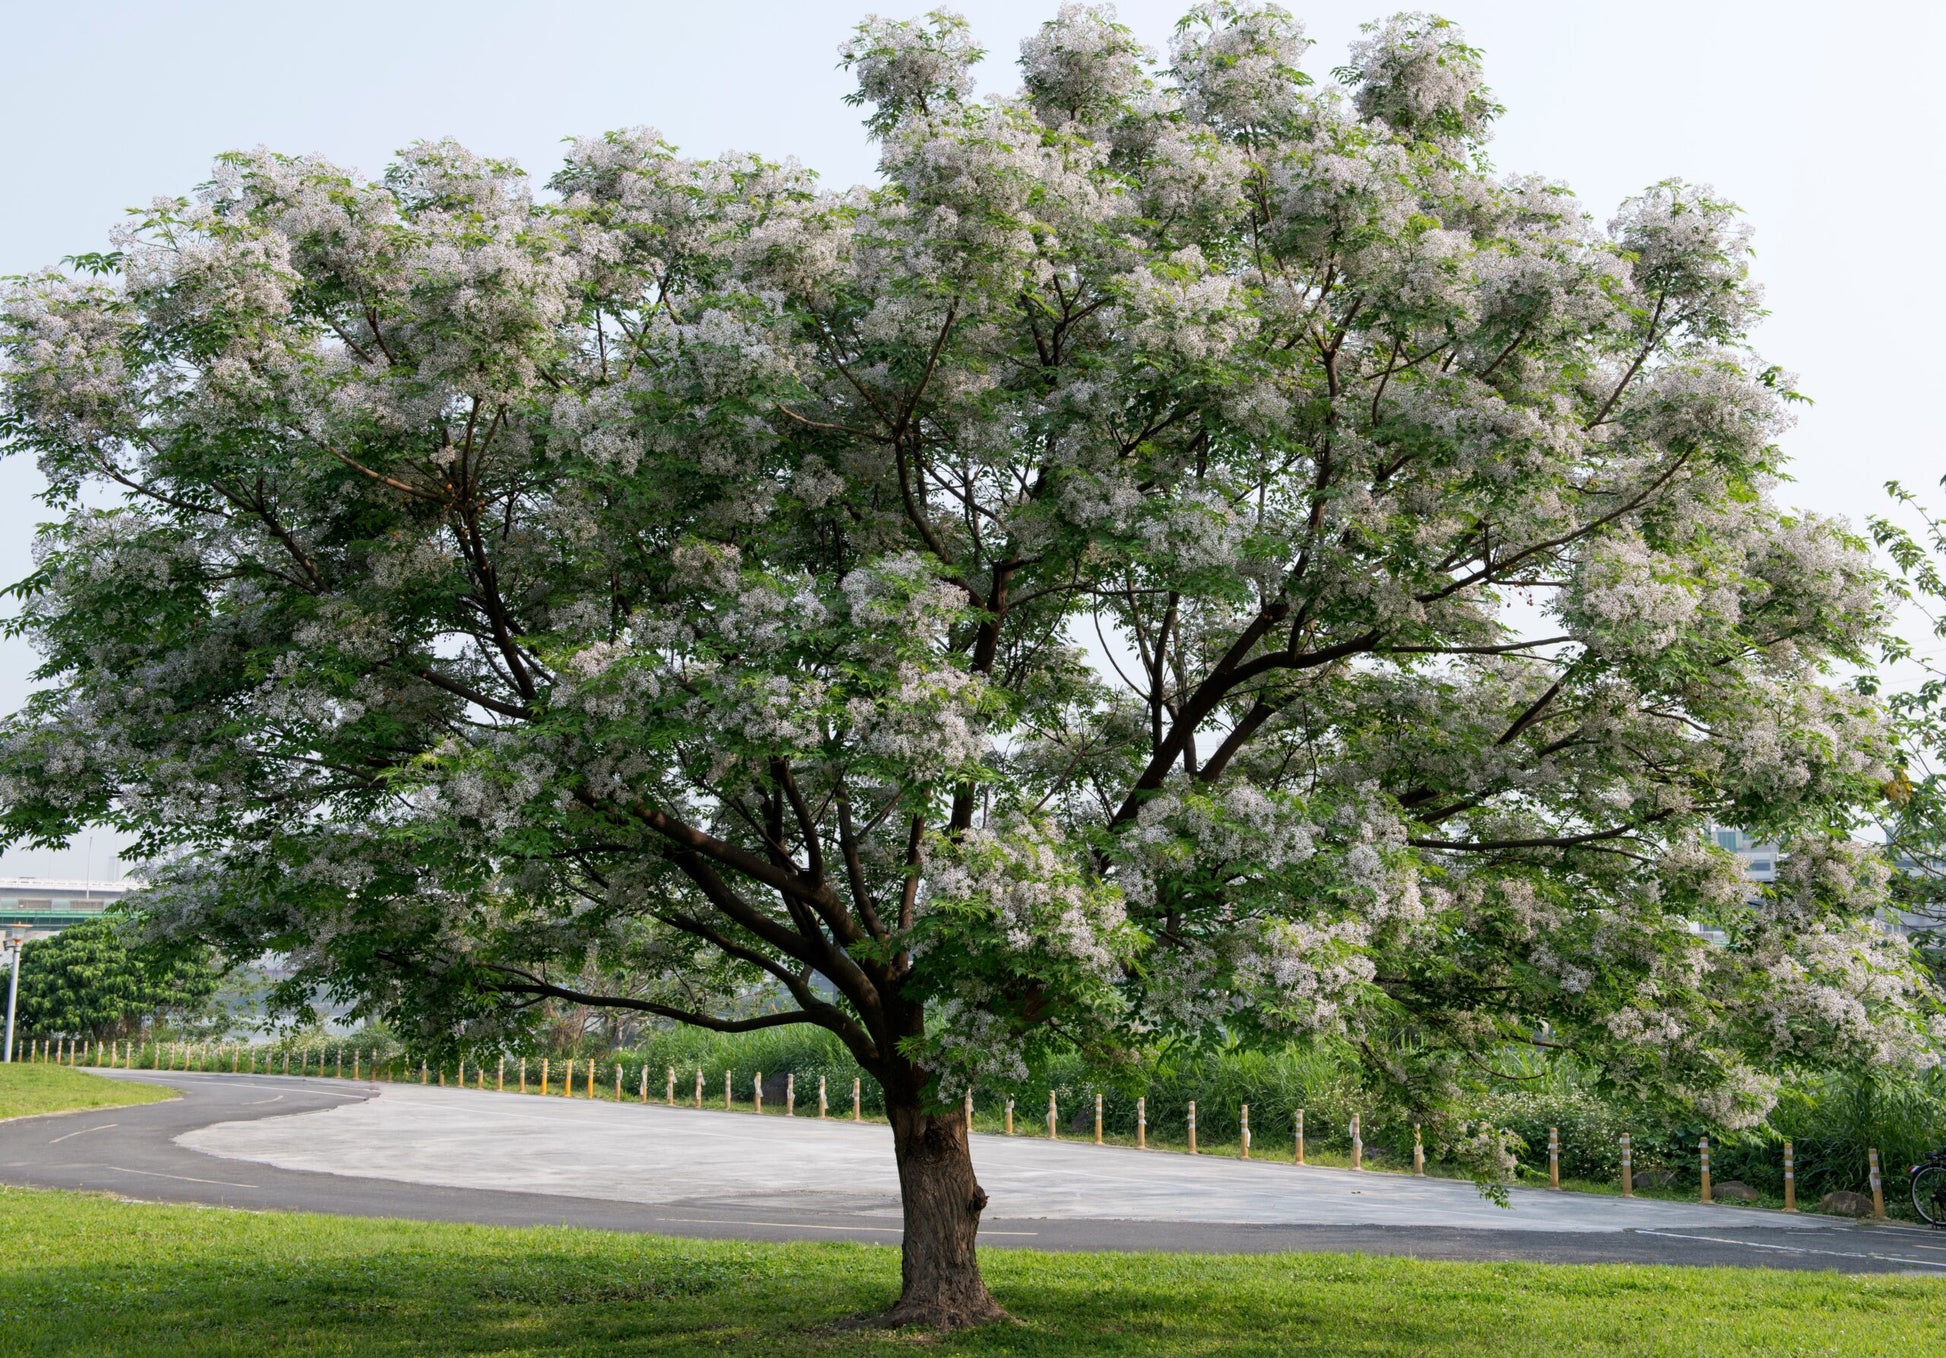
969,1110
757,1092
1052,1133
1010,1115
460,1080
1244,1130
500,1077
287,1061
790,1095
1878,1187
726,1091
355,1054
857,1104
236,1056
591,1079
1097,1118
699,1086
671,1093
1418,1153
544,1073
523,1075
422,1072
618,1083
1554,1158
341,1063
442,1074
1790,1179
1142,1123
1357,1145
1297,1157
1703,1150
567,1080
1628,1168
1192,1126
821,1103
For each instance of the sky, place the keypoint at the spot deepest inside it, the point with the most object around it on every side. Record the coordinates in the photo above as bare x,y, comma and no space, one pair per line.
1820,120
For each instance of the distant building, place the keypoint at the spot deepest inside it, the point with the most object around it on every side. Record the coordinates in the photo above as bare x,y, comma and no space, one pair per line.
34,907
1759,860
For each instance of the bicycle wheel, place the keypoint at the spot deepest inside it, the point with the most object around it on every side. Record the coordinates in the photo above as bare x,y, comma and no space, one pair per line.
1929,1193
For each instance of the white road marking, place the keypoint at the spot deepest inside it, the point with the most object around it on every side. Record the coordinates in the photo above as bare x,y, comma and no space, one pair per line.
808,1226
1799,1249
255,1102
157,1174
101,1127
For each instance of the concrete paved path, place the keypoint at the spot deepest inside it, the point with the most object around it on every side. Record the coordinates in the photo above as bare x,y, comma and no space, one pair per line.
445,1154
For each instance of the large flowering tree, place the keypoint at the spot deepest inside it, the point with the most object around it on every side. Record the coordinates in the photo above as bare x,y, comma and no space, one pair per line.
1192,553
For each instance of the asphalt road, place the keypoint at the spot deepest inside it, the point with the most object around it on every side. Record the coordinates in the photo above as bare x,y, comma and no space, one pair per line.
401,1151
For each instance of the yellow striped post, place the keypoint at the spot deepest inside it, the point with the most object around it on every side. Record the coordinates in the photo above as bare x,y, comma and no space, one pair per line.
790,1096
1010,1115
1878,1187
1554,1158
857,1105
618,1084
544,1074
1628,1168
671,1093
757,1092
1141,1122
1297,1157
1357,1145
500,1077
1192,1126
1418,1153
726,1091
1097,1118
699,1086
823,1107
591,1078
1244,1134
969,1110
1790,1178
1703,1150
1052,1133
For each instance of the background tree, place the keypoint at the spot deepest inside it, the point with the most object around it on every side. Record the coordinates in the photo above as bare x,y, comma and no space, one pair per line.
99,982
1193,553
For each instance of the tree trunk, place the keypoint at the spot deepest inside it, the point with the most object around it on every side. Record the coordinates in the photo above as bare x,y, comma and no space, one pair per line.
942,1288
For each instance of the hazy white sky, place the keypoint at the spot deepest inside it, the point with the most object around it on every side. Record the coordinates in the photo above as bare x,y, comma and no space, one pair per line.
1820,119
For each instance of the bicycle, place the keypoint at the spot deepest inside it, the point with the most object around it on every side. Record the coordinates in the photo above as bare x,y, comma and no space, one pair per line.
1929,1189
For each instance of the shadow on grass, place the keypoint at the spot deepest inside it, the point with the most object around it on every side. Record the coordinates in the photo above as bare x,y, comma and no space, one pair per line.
91,1275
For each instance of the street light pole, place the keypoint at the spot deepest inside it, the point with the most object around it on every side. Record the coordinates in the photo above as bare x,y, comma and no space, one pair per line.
13,989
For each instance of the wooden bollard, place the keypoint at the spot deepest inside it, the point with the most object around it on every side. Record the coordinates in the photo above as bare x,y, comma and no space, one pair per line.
1628,1168
699,1086
821,1103
1142,1122
757,1092
1297,1157
1418,1153
790,1095
671,1099
726,1091
1097,1119
969,1110
1192,1126
857,1104
1357,1145
1243,1121
1878,1186
1053,1133
1703,1150
1790,1179
1554,1158
1010,1115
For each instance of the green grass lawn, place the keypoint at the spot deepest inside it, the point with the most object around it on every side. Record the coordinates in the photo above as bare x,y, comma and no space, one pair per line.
27,1089
88,1275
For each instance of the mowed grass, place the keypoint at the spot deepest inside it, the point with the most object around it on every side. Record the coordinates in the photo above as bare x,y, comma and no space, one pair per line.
84,1274
28,1088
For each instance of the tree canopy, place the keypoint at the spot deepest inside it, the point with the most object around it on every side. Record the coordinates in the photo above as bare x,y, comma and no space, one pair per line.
100,982
1194,552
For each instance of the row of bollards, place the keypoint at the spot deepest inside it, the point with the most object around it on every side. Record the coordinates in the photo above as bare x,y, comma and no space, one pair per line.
200,1056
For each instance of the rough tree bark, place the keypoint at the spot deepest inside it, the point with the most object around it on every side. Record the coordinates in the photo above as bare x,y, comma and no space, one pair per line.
939,1269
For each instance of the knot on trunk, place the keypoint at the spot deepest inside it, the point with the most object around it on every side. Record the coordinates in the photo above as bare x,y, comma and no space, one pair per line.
977,1203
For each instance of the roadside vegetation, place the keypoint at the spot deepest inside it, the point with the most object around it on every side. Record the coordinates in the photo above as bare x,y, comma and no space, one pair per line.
27,1090
83,1274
